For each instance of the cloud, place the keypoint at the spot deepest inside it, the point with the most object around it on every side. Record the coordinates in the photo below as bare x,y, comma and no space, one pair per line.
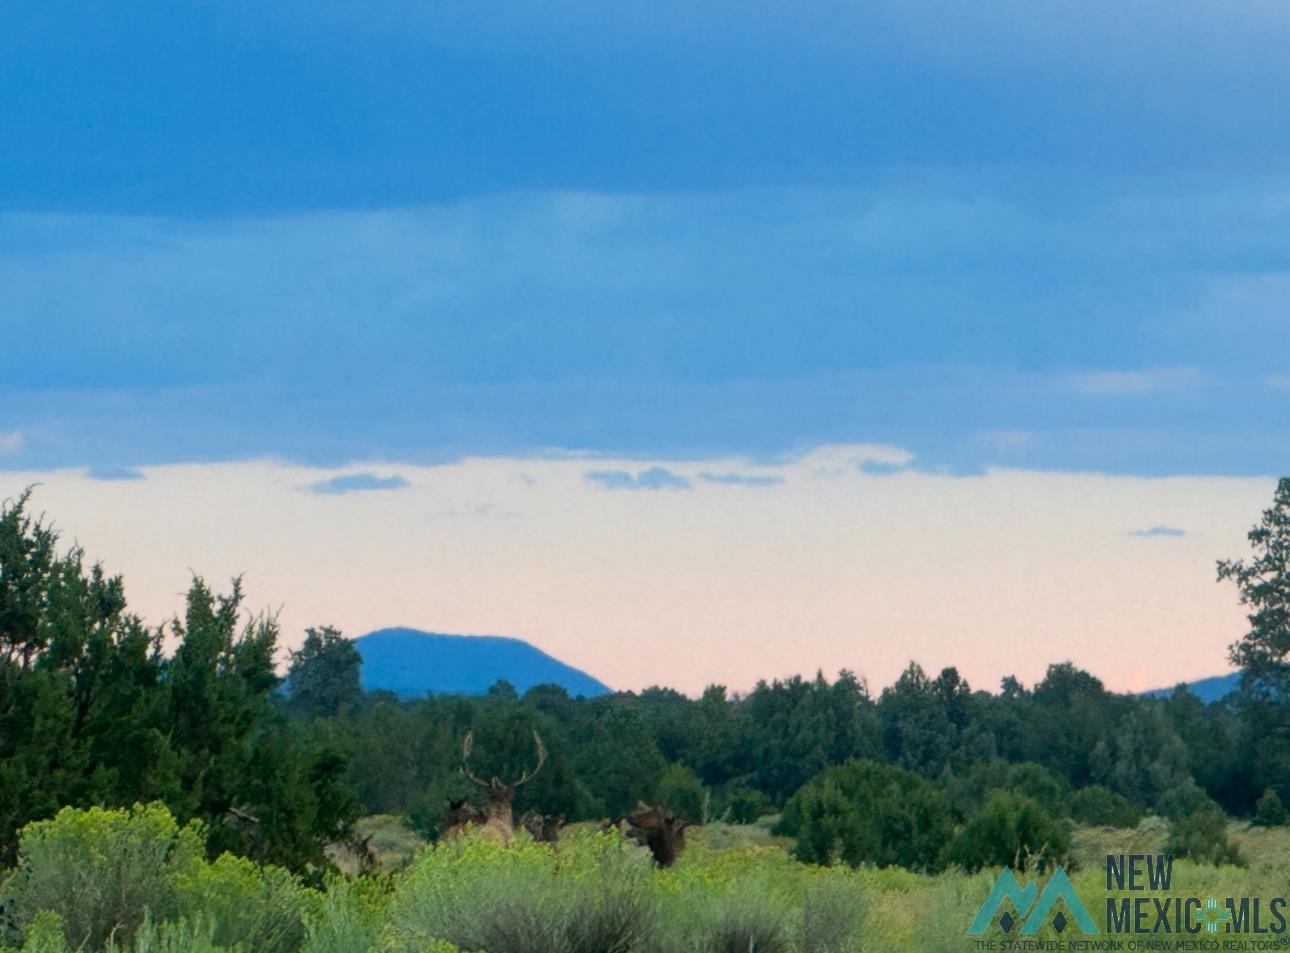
697,359
357,483
11,442
741,479
115,473
1159,531
655,478
1124,383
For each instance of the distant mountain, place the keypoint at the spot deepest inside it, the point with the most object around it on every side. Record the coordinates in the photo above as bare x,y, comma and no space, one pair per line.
1207,690
411,663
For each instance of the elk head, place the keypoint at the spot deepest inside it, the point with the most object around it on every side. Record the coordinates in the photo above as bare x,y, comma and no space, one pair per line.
544,828
459,815
661,832
497,815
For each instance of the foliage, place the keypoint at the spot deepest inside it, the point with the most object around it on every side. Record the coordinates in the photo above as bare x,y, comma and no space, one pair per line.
1263,653
349,918
620,761
92,713
181,936
261,908
1202,836
1142,757
45,934
1264,585
1010,830
479,894
596,893
682,793
101,870
1269,811
1184,801
970,787
741,804
866,812
323,678
1098,805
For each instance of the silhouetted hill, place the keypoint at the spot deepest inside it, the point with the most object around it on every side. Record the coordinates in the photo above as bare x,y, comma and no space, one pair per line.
1206,689
411,663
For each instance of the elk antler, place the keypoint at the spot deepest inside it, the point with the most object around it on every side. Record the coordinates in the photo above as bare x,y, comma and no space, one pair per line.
496,784
469,775
541,760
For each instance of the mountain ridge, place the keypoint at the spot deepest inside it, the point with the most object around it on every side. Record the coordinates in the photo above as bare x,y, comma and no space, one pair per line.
1212,689
412,663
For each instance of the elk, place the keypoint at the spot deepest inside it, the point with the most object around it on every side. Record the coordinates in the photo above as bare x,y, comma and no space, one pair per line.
496,817
661,832
544,828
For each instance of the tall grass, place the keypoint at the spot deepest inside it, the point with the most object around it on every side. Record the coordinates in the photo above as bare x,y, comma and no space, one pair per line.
592,893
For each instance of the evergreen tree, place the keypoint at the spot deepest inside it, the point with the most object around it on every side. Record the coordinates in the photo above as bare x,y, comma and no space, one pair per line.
1262,653
323,679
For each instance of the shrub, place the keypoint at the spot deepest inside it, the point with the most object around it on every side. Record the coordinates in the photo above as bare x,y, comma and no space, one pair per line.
1269,811
1184,800
1202,836
1009,831
45,934
970,788
865,812
263,908
748,930
682,793
1036,782
740,804
349,918
102,870
832,915
606,920
1101,806
525,898
183,936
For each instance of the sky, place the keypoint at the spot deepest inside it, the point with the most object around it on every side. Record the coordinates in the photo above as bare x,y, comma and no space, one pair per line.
1030,251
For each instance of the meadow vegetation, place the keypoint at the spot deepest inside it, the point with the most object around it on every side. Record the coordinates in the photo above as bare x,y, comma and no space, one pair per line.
135,881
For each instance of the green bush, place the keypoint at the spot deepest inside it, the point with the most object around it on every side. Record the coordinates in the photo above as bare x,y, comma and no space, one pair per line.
182,936
1269,811
1100,806
871,813
102,870
748,930
1202,836
1036,782
263,908
525,897
740,804
348,920
832,916
682,793
45,934
1184,800
971,788
1009,831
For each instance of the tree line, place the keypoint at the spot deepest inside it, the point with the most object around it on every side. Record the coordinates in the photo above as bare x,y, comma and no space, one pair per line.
97,708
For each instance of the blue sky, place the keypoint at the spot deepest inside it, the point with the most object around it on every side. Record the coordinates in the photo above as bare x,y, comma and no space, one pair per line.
1035,235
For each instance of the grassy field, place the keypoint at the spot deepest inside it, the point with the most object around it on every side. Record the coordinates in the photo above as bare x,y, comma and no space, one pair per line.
736,889
747,871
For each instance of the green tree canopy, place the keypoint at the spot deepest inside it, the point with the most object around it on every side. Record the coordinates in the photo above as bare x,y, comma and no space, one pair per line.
323,679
